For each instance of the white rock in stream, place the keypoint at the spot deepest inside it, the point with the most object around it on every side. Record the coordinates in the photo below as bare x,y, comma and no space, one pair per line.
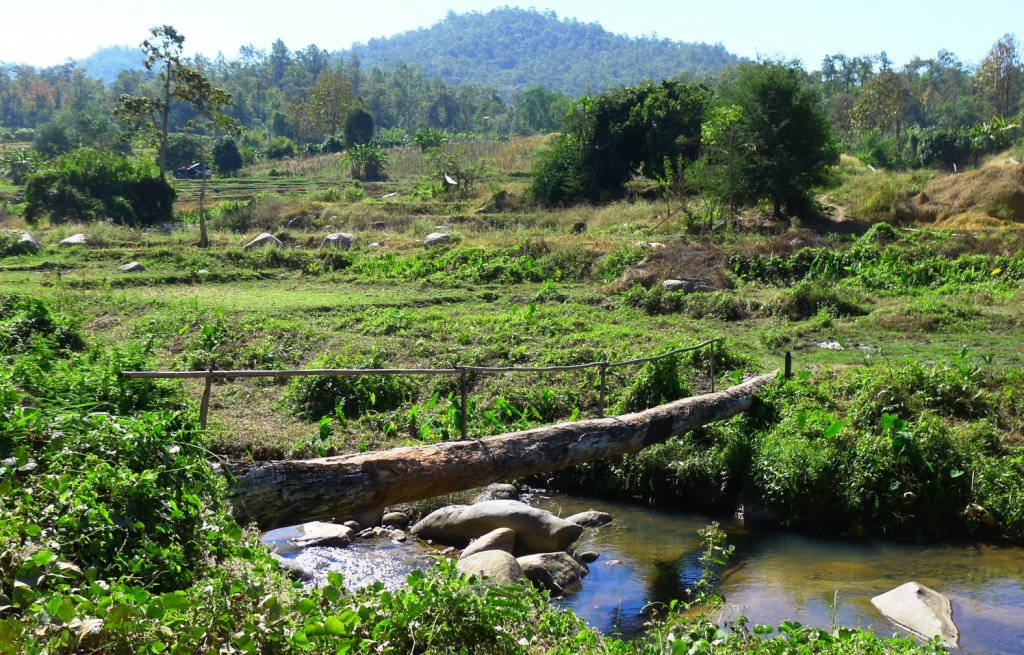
920,610
318,533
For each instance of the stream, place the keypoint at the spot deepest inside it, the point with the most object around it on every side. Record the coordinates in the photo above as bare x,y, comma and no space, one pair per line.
651,556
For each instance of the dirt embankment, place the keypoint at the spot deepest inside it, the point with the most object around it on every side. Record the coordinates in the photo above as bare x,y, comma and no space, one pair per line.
990,196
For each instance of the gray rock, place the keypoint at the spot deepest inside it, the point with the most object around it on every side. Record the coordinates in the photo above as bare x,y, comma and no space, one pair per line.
131,267
342,240
920,610
379,226
590,519
354,526
650,245
395,520
500,539
296,570
495,566
436,239
318,533
497,491
26,244
537,531
74,240
264,239
398,536
589,556
556,572
686,286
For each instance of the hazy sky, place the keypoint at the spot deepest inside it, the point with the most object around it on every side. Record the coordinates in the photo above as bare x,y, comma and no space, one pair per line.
47,32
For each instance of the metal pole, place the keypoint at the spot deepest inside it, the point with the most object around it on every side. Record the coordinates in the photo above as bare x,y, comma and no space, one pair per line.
789,364
462,392
204,406
600,395
712,367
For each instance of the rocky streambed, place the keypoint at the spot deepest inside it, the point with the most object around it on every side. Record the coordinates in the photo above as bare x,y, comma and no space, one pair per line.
614,560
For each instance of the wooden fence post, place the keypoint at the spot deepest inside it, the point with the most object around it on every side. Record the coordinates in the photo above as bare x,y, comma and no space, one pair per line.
204,406
463,403
789,364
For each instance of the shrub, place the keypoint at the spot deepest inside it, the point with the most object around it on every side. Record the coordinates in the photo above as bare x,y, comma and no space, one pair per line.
281,147
656,383
807,297
314,397
226,156
359,127
89,185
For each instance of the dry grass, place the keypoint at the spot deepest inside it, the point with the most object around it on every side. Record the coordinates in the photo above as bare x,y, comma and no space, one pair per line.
990,196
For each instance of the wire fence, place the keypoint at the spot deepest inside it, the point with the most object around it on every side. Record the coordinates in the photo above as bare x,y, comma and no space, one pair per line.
461,371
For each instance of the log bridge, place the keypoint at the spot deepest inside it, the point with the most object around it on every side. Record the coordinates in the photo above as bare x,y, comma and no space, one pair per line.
282,493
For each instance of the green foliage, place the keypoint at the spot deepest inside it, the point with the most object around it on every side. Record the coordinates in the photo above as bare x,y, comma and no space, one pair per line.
185,149
806,298
20,164
790,138
368,161
53,139
227,158
316,396
656,383
359,127
280,148
88,185
617,134
429,138
28,323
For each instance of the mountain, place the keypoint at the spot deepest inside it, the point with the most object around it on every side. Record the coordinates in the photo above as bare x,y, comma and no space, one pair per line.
106,63
516,49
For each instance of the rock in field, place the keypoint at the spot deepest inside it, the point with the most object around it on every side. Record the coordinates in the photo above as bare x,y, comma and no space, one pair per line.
921,610
131,267
318,533
497,566
500,539
26,244
537,531
74,240
556,572
342,240
264,239
436,239
590,519
686,286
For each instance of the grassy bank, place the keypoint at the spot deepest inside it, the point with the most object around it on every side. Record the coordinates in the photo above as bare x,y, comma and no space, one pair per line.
114,538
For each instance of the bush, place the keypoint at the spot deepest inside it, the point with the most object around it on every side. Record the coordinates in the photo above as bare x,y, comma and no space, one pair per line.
656,383
806,298
89,185
226,156
359,127
27,322
315,397
281,147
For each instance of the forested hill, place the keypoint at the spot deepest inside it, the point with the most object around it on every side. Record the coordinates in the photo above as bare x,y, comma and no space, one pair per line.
516,49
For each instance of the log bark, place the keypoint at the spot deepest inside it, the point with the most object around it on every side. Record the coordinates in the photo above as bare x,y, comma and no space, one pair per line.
283,493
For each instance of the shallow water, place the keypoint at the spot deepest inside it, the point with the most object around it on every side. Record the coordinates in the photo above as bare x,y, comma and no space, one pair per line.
775,576
650,556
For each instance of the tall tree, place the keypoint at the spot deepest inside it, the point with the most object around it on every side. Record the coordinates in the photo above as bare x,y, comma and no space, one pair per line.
790,136
882,104
330,102
999,78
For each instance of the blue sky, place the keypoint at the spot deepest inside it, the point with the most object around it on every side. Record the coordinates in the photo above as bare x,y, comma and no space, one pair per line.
47,32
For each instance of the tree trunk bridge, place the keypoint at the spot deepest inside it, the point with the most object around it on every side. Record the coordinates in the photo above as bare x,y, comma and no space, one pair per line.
281,493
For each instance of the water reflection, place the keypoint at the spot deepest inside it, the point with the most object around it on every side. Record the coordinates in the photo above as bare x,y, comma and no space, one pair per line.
650,557
775,576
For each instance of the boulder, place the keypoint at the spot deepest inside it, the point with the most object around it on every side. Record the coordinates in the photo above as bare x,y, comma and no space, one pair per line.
537,531
436,239
557,572
296,570
264,239
496,566
920,610
131,267
590,519
500,539
74,240
26,244
589,556
354,526
686,286
395,520
497,491
342,240
318,533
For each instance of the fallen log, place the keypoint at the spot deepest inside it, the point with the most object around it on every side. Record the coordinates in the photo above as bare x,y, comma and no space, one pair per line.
335,488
